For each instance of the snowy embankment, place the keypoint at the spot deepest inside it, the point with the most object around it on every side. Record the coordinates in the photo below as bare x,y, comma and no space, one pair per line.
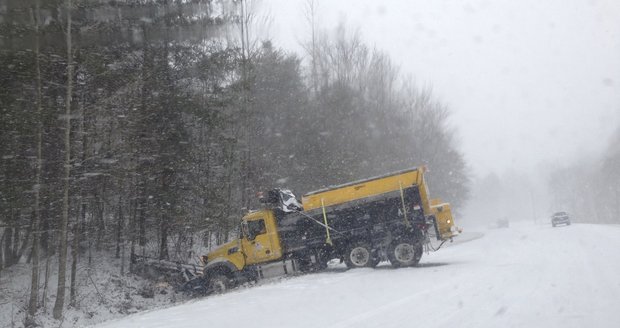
523,276
102,294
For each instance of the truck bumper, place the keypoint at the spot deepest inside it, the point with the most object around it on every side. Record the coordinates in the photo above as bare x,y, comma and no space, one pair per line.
454,231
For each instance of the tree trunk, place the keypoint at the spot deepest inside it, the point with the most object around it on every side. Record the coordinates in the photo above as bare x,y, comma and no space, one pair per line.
8,241
45,242
100,219
119,227
15,247
191,246
1,256
22,248
46,281
142,224
62,257
81,218
163,245
121,238
616,216
132,232
74,256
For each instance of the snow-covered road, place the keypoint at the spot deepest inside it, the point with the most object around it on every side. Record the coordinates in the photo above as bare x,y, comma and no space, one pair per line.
523,276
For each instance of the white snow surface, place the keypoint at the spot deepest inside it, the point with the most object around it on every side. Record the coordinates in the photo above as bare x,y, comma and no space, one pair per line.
522,276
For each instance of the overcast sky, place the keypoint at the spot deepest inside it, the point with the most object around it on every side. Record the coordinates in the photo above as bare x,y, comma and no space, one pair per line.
529,82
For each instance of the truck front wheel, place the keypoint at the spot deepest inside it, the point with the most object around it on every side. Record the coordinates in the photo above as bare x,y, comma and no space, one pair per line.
405,253
218,284
360,255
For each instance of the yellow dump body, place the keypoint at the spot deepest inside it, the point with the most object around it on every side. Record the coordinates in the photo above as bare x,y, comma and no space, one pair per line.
367,188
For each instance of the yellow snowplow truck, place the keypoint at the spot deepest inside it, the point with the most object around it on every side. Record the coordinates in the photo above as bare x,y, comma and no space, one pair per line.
361,223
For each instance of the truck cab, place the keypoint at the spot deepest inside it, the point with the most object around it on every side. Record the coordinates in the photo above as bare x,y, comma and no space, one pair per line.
258,243
241,259
259,240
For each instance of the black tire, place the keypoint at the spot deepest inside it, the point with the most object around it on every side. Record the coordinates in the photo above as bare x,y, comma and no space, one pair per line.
360,255
405,253
218,284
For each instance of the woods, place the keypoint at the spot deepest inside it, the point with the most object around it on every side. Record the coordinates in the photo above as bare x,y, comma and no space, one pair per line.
590,191
147,127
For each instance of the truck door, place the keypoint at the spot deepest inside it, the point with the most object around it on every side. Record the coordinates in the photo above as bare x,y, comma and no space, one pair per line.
259,243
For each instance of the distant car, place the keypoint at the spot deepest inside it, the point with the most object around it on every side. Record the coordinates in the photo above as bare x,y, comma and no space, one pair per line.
503,223
560,218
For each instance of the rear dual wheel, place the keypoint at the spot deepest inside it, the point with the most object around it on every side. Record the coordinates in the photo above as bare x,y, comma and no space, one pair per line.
404,253
361,255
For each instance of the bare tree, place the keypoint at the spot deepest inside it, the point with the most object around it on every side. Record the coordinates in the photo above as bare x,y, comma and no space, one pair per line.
310,12
62,258
34,283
